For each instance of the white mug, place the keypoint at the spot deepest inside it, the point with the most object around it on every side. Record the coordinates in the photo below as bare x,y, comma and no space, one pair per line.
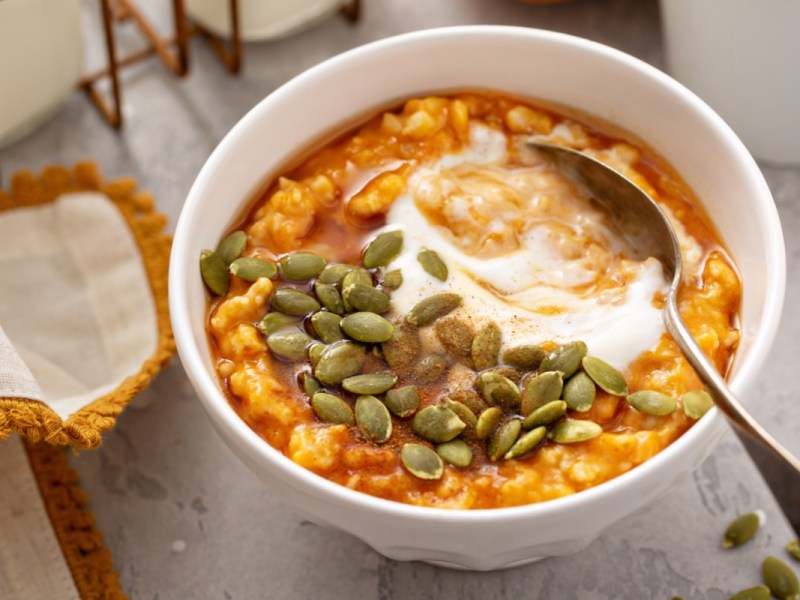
743,58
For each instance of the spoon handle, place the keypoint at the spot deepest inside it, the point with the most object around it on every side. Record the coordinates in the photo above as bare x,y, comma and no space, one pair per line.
780,470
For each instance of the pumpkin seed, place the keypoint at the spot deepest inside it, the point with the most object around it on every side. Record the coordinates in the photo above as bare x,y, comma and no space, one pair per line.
455,335
214,272
275,321
291,346
570,432
326,326
402,350
507,372
740,530
430,369
383,249
488,422
546,415
369,383
373,419
652,403
333,274
606,377
540,390
434,307
310,384
469,399
463,412
696,403
250,268
300,266
421,461
525,358
315,351
432,264
338,362
329,297
290,301
486,347
793,548
367,327
332,409
402,401
526,443
437,424
565,358
579,392
759,592
497,389
393,279
232,246
456,452
357,275
780,579
365,298
503,439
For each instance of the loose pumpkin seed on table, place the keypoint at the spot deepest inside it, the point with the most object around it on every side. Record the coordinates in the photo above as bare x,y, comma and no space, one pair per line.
373,419
421,461
740,530
251,268
332,409
565,358
300,266
383,249
793,548
433,264
290,301
780,579
758,592
214,272
232,246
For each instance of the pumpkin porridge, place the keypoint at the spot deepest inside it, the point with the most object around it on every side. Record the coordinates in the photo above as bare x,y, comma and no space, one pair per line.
427,311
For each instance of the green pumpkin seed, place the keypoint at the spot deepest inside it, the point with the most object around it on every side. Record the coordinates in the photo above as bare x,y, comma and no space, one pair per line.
214,272
310,384
540,390
546,415
430,369
497,389
793,548
373,419
437,424
332,409
232,246
570,432
333,274
290,301
329,297
326,326
357,276
696,403
463,412
250,268
759,592
652,403
393,279
470,399
291,346
367,327
579,392
369,383
455,335
365,298
528,442
565,358
434,307
740,530
300,266
486,347
338,362
606,377
403,401
503,439
383,249
432,264
455,452
488,421
421,461
524,358
507,372
315,351
402,350
780,579
276,321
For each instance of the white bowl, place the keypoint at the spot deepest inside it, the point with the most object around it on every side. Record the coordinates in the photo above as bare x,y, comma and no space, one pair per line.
526,62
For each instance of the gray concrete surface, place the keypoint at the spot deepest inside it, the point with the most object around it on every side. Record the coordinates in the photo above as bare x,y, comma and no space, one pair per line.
182,516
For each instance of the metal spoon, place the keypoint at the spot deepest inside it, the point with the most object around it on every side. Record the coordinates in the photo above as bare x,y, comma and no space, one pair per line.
649,233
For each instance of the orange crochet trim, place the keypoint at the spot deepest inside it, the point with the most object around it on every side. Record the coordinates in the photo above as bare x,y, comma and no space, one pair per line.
36,421
81,543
